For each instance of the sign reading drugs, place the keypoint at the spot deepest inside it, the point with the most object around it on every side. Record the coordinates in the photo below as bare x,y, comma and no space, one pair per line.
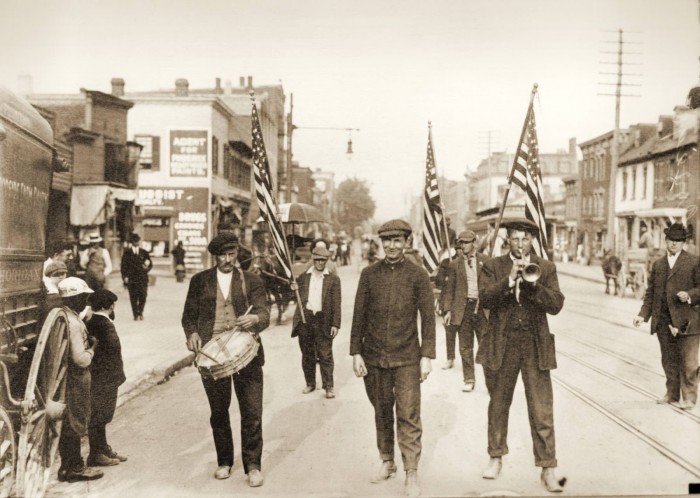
189,153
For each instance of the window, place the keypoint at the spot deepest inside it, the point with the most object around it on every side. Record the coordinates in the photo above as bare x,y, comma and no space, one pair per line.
150,154
227,161
633,174
624,185
215,155
645,175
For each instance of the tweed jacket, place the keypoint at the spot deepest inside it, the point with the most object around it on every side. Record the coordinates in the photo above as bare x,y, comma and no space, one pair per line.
455,290
200,304
330,301
136,267
538,301
666,281
107,366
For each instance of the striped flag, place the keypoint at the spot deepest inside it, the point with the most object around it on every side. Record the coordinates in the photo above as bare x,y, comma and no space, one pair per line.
266,201
528,176
432,213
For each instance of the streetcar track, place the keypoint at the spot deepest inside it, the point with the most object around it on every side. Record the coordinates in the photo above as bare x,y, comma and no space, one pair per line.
651,441
626,383
602,319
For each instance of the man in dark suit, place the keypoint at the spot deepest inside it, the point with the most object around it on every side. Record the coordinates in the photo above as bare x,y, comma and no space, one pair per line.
216,303
672,301
136,263
319,290
390,353
518,340
107,371
463,313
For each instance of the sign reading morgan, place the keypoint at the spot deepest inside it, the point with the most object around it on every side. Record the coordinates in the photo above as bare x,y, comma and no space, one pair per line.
189,153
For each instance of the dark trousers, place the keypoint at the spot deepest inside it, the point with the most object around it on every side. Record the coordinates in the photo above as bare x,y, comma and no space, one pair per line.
679,359
103,402
451,340
472,326
521,356
315,344
69,447
248,384
400,387
137,295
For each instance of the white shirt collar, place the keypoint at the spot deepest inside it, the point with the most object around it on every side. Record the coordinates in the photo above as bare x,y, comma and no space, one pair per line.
313,269
104,314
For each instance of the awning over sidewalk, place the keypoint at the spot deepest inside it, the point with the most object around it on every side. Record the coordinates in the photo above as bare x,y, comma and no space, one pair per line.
93,204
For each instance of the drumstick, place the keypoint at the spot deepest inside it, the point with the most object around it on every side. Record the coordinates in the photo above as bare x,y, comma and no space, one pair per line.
222,346
201,351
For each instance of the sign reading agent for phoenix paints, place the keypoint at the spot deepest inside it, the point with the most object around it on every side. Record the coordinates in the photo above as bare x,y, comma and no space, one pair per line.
189,153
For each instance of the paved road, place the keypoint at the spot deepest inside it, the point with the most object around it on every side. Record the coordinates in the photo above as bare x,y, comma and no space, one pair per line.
320,447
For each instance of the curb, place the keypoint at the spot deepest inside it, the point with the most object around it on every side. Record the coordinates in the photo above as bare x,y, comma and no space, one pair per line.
150,378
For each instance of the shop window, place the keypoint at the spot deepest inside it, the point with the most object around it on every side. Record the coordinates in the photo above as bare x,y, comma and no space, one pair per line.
150,154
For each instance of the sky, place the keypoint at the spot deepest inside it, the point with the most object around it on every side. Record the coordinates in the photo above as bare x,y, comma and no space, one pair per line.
386,68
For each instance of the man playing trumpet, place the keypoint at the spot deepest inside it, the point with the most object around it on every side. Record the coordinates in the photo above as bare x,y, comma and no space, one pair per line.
520,289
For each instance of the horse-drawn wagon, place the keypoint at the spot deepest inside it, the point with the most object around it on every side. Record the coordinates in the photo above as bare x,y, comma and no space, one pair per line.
33,341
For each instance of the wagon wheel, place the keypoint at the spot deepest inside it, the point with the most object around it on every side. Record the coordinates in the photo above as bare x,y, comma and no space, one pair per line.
43,406
7,454
640,285
621,283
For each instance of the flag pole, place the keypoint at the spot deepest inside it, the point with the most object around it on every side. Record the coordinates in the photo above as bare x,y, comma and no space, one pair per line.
284,238
512,170
442,206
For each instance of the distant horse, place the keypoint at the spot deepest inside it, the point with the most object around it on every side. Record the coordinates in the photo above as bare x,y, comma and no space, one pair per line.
611,271
277,287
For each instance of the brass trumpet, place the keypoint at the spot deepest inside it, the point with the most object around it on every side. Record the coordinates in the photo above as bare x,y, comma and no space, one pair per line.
530,272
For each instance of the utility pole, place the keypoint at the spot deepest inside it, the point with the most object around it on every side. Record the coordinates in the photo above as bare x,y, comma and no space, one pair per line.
486,139
611,236
290,168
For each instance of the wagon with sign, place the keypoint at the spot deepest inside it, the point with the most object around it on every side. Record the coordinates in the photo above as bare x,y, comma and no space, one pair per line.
633,275
33,340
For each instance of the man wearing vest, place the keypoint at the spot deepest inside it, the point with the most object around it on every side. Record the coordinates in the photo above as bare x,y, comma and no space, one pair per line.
216,302
319,290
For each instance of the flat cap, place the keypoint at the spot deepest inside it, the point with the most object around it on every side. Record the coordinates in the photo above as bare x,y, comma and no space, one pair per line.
72,286
102,299
676,232
394,228
522,224
225,241
466,236
55,268
320,253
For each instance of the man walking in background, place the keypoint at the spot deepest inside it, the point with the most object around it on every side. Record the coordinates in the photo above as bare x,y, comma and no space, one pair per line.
136,263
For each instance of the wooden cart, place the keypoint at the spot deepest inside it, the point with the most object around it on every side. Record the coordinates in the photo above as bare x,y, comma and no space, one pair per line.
633,274
33,340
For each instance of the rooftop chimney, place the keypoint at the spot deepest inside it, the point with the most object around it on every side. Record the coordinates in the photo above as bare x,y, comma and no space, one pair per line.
250,82
117,87
217,88
241,81
181,86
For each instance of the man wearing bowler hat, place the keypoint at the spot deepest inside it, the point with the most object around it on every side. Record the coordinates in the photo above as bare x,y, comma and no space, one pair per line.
517,342
136,263
319,290
672,302
463,314
217,302
389,352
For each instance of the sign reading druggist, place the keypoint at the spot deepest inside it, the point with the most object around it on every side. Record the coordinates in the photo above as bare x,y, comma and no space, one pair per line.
189,153
190,221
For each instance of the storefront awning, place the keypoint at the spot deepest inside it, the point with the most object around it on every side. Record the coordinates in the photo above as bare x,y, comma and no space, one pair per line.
666,212
157,211
93,205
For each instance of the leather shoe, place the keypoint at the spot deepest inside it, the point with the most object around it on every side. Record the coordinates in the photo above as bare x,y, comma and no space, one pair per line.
255,478
683,405
549,479
665,400
329,393
308,389
448,364
101,460
223,472
411,485
386,470
82,473
113,454
468,387
493,469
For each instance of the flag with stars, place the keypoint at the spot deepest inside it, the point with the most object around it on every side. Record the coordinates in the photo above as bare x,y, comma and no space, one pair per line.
528,176
263,192
432,213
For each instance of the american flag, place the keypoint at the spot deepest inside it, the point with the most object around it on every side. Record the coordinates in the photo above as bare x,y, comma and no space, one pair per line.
432,213
528,176
266,201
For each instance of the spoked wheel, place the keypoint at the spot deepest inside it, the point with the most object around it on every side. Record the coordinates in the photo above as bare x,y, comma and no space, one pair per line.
8,451
43,406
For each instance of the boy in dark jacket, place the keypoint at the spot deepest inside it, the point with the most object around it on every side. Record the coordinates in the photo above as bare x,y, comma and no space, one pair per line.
107,376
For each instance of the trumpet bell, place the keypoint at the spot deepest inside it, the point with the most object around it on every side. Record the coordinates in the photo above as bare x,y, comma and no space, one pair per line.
531,272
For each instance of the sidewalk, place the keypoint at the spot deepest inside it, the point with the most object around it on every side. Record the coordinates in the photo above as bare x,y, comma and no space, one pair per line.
154,349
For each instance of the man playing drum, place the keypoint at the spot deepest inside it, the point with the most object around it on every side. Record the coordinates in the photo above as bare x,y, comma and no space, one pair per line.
217,303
